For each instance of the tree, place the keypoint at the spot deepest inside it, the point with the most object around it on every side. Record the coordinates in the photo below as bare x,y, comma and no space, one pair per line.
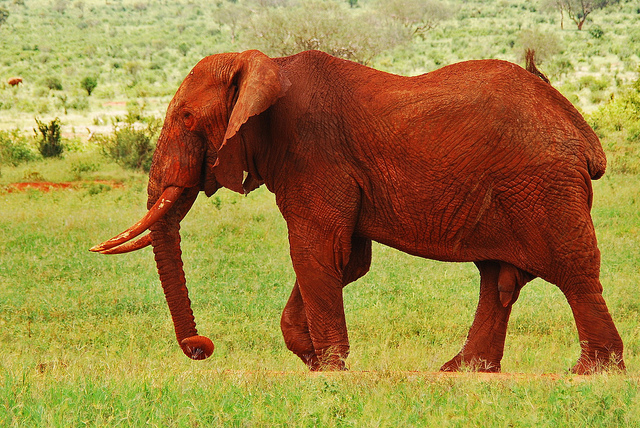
89,83
418,15
331,26
233,14
578,10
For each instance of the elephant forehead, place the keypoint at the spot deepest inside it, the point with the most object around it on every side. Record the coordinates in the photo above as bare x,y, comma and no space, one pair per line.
214,67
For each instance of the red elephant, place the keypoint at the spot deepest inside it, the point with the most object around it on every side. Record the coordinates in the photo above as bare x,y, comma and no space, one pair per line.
480,161
15,81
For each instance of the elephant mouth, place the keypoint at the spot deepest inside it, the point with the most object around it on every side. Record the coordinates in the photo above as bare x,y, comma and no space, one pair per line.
122,243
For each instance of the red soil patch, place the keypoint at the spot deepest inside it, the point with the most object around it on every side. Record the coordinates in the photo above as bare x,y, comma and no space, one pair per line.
114,103
45,186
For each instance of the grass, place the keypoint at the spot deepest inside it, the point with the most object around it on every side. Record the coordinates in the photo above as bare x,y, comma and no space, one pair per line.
87,339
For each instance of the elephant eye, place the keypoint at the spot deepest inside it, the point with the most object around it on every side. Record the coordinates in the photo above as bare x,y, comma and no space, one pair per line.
189,120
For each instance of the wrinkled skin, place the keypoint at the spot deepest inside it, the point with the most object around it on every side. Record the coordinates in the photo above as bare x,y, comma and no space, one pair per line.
479,162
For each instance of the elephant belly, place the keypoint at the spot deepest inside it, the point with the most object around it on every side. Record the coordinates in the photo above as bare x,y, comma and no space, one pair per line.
453,225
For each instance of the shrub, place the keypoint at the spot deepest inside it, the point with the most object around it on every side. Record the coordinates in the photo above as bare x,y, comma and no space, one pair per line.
133,140
593,83
596,32
544,44
616,122
50,144
53,83
15,148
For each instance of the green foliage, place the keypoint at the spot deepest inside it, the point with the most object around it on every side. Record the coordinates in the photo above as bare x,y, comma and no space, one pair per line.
579,10
4,15
133,140
596,31
54,83
545,44
618,124
184,48
89,83
82,167
50,144
418,16
593,83
15,148
150,49
330,26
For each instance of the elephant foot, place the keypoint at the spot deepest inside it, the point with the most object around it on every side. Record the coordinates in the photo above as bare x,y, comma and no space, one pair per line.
592,364
331,359
310,360
471,363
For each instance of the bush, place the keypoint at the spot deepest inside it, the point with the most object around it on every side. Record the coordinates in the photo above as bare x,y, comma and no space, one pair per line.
544,44
593,83
616,123
50,144
133,141
596,32
15,148
53,83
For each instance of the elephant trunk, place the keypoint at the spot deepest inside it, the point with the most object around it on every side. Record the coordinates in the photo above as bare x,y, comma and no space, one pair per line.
165,236
166,209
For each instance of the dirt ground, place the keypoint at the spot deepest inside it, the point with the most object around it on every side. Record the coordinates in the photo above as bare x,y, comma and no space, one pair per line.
46,186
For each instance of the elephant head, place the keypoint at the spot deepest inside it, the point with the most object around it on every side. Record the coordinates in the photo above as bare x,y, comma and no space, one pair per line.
201,147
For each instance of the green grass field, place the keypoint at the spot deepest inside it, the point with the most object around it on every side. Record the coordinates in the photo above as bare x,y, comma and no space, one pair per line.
87,339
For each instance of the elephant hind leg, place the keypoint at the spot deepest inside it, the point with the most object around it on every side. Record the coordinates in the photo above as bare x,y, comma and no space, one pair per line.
600,342
577,273
500,285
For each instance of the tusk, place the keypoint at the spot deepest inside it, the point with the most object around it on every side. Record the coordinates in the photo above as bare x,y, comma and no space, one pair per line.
162,205
127,247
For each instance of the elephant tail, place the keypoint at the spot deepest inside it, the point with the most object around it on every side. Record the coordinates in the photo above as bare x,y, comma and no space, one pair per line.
530,64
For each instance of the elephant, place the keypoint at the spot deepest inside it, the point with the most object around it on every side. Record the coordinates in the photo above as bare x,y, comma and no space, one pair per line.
480,161
15,81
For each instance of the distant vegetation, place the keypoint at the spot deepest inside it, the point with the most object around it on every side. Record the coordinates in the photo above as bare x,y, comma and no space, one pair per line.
85,60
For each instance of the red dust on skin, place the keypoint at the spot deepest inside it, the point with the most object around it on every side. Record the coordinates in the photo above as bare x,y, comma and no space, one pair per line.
480,161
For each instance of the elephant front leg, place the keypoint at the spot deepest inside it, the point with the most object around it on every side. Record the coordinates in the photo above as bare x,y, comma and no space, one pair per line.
294,324
323,307
295,329
319,271
500,284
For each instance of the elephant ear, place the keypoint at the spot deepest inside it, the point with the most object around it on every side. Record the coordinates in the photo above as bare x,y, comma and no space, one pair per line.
259,85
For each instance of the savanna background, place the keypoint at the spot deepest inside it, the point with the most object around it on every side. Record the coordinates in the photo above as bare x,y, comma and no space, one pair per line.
87,339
